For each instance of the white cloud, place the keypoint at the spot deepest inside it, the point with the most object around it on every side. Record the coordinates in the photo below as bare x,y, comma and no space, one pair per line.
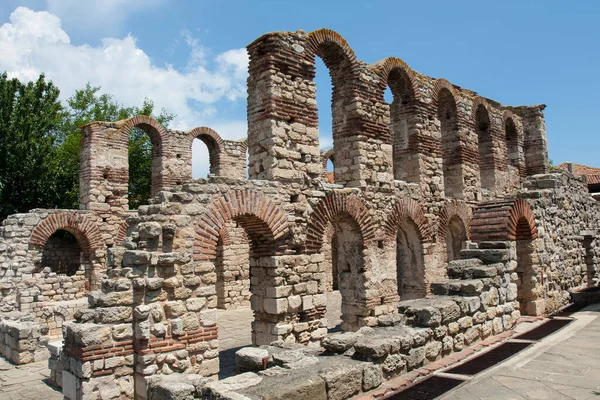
34,42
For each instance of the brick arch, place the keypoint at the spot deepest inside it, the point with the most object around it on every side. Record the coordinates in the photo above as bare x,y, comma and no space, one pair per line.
454,209
503,220
479,101
506,115
327,209
439,85
157,133
122,234
407,210
81,226
388,66
264,222
333,49
214,144
225,235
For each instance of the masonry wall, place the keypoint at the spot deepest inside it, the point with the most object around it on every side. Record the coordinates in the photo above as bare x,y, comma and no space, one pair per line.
568,225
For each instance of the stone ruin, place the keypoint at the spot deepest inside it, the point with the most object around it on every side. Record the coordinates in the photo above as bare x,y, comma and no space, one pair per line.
440,227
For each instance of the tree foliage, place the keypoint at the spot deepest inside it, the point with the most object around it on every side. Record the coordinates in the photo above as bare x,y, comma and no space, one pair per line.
40,144
30,119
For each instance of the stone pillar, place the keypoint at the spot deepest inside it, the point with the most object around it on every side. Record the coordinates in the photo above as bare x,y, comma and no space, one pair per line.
535,141
98,361
104,169
283,133
291,312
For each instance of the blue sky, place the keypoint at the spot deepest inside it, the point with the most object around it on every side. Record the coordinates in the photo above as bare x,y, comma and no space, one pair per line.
188,55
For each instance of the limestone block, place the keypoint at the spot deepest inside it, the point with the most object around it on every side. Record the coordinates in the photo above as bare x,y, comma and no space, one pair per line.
251,358
371,377
275,306
342,382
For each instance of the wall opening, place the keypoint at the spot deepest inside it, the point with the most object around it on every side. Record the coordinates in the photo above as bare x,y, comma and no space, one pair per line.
333,312
333,94
451,154
409,262
486,148
330,171
324,94
512,142
456,237
144,166
401,109
205,157
62,254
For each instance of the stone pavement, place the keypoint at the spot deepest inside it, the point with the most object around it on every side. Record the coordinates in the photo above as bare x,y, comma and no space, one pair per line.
26,382
565,365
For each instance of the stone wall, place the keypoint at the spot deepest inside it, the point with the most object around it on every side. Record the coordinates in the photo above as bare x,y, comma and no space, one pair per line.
564,256
478,302
22,341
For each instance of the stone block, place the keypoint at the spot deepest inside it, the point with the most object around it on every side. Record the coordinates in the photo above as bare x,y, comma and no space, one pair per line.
275,306
251,359
69,385
342,382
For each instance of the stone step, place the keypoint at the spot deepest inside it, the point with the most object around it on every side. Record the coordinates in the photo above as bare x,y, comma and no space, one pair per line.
488,256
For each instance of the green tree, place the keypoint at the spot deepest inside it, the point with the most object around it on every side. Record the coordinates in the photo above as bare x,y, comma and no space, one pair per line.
88,105
30,117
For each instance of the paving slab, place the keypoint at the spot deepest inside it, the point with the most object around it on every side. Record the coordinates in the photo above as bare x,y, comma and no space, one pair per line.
565,365
26,382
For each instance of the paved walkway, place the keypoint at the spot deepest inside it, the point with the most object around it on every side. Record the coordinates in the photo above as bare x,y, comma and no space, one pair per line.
26,382
565,365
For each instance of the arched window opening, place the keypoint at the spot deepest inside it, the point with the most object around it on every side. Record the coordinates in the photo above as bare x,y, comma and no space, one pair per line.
512,142
451,158
200,159
233,268
205,157
409,262
528,271
486,148
144,165
62,254
324,88
456,236
330,170
400,115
